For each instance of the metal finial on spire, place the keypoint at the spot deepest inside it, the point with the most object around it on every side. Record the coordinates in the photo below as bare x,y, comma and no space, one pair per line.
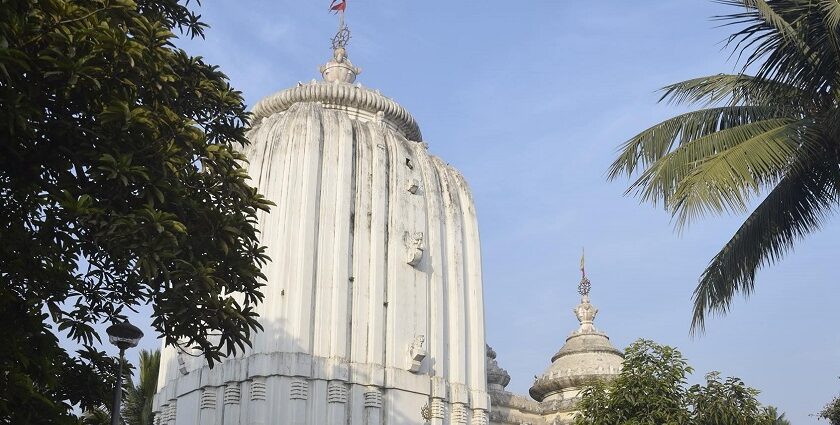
340,69
585,285
342,36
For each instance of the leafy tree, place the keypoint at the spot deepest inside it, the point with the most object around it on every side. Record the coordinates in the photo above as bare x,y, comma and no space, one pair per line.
727,402
652,390
831,412
776,131
120,185
137,409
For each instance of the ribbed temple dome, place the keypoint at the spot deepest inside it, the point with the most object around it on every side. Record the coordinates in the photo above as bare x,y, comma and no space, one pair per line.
586,357
355,100
335,91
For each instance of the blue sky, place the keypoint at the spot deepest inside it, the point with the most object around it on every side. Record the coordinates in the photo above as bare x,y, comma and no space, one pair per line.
529,99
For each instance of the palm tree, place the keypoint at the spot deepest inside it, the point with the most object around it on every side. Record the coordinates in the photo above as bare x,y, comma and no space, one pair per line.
97,416
138,399
775,417
776,132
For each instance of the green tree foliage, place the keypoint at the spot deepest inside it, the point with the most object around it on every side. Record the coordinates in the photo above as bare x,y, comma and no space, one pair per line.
726,402
774,132
831,412
137,409
652,390
120,185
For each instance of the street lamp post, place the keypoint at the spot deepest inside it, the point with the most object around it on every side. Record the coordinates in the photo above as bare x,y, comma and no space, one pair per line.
123,335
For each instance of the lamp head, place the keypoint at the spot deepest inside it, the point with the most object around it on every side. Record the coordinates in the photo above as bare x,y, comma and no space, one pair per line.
124,335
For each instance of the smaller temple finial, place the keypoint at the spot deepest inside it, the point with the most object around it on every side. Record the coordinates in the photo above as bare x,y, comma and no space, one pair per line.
339,69
585,311
585,285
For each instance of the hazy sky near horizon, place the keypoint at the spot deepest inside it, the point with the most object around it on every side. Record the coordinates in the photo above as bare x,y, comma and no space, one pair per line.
530,99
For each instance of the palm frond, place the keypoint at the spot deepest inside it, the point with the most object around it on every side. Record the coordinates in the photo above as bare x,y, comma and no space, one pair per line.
97,416
788,38
831,8
735,89
138,402
768,27
726,181
796,207
662,181
773,18
831,19
651,145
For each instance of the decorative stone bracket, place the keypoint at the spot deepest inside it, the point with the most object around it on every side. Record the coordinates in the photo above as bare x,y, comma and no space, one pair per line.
373,398
232,393
258,390
299,390
336,392
416,354
208,398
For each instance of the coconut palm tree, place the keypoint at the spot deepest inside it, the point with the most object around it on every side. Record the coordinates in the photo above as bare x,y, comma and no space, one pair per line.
98,416
776,418
137,409
775,133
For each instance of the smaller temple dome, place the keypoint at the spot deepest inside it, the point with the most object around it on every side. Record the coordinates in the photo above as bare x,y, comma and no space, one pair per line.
586,357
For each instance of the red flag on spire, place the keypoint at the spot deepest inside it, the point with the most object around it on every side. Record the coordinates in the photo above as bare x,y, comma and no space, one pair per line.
338,5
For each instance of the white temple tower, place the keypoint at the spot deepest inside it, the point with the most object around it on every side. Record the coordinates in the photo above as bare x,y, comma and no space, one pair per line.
373,310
